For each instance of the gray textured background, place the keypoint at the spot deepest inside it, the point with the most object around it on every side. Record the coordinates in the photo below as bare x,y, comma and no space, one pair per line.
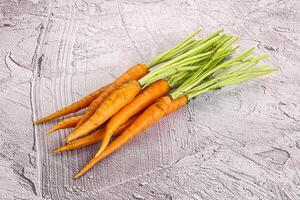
242,142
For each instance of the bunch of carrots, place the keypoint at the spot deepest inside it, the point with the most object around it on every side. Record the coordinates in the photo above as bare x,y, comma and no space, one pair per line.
147,92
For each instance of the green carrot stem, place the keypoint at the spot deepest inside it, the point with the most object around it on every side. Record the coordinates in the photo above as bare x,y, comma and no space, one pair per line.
178,78
231,81
243,63
184,49
211,36
231,74
200,48
217,57
199,76
233,71
175,50
164,72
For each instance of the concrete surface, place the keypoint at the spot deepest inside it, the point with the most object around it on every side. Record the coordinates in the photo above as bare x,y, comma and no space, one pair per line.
242,142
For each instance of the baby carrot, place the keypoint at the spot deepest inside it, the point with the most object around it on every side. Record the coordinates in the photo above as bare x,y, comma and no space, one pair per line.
94,137
66,123
151,115
74,107
134,73
147,96
110,106
177,104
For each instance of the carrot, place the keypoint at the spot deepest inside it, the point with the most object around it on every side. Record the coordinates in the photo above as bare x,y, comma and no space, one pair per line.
74,107
94,137
177,104
134,73
110,106
66,123
151,115
148,95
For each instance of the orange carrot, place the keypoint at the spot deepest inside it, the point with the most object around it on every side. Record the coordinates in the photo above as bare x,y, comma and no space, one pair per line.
94,137
134,73
110,106
147,96
151,115
66,123
177,104
74,107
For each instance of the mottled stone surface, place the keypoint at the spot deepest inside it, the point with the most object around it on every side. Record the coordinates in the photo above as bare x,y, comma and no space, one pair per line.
242,142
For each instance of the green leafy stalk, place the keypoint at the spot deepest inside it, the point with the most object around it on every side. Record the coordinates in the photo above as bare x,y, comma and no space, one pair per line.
211,68
182,47
171,69
177,79
233,71
199,52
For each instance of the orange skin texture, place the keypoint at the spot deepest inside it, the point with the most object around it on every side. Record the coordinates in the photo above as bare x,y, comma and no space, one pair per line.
134,73
145,98
94,137
151,115
66,123
119,98
74,107
161,108
177,104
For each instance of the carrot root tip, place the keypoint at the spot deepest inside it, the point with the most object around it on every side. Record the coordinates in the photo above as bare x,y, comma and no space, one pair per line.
57,150
51,131
98,153
37,122
67,140
78,175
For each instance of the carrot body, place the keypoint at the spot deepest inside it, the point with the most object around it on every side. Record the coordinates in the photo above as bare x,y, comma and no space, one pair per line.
119,98
151,115
66,123
177,104
134,73
145,98
94,137
74,107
